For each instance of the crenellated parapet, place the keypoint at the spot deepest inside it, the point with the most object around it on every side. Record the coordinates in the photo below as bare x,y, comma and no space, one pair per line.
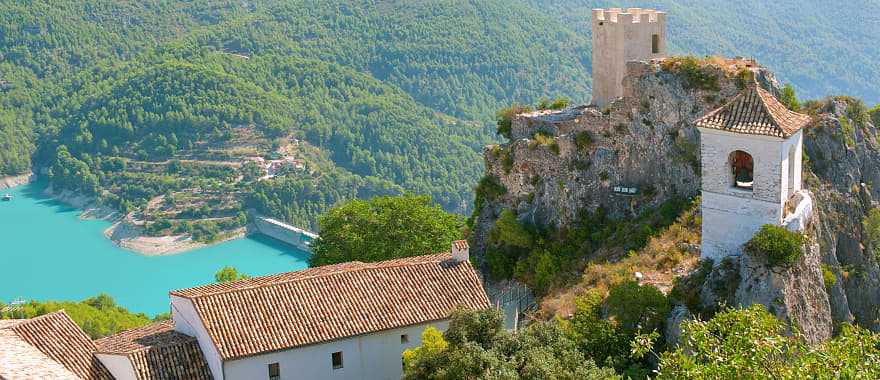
619,37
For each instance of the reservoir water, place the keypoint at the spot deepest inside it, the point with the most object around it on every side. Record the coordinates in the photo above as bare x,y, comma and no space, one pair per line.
48,253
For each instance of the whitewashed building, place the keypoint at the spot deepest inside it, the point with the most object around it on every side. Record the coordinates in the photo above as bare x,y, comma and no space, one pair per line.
751,156
345,321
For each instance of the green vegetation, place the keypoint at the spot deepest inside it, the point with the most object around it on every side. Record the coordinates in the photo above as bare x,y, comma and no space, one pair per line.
98,316
694,72
871,231
753,344
583,140
777,245
228,274
546,258
384,228
603,329
789,98
475,346
875,116
828,277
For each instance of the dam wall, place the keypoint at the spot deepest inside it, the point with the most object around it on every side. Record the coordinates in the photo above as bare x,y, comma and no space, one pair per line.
284,232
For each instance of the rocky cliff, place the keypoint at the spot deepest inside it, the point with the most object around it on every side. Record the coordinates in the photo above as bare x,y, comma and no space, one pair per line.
644,150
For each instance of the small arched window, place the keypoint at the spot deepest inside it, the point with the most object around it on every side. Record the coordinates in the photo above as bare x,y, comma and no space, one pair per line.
742,167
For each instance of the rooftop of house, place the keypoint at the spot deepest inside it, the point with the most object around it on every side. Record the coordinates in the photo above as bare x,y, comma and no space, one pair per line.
49,346
333,302
157,351
755,111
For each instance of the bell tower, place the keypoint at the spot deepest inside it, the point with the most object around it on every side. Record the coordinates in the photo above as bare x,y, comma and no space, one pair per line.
619,37
751,156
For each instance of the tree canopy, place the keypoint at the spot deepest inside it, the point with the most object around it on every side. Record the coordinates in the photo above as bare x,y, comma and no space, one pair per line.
476,346
384,228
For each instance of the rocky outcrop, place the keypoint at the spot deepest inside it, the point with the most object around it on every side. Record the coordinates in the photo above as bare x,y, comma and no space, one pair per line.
643,150
794,293
639,152
8,182
844,176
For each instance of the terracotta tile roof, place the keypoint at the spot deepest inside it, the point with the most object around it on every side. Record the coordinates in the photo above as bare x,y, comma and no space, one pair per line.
757,112
460,244
19,360
60,339
333,302
156,351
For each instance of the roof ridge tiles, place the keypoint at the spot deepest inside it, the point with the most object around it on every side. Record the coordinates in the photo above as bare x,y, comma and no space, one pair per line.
305,274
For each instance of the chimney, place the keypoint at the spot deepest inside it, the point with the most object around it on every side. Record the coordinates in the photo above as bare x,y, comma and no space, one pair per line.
460,251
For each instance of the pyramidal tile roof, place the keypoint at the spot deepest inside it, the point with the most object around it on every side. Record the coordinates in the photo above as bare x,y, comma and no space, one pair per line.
57,337
755,111
157,351
333,302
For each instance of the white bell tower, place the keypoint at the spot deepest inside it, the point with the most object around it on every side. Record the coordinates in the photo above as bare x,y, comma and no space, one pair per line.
751,155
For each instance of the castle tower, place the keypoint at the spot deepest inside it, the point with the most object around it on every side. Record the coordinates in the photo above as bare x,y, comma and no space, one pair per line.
619,37
751,166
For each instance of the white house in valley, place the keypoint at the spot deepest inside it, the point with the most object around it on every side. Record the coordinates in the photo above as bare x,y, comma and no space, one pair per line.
751,156
344,321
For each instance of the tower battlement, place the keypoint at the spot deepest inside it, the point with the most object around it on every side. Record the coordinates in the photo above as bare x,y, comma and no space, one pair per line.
632,15
619,37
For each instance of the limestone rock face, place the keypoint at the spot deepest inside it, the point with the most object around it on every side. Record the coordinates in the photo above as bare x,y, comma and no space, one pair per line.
677,316
794,293
844,176
644,146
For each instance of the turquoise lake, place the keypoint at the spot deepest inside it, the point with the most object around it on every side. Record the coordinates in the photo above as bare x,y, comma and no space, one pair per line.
48,253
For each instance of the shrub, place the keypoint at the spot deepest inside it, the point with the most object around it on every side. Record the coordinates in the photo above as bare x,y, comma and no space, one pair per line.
488,189
690,68
637,308
789,99
875,116
504,119
583,140
828,277
871,227
777,244
555,104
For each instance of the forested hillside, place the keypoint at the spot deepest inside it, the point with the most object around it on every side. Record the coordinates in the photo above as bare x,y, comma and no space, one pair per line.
375,98
822,47
391,96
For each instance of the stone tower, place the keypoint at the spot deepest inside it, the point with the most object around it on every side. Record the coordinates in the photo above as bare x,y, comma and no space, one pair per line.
619,37
751,171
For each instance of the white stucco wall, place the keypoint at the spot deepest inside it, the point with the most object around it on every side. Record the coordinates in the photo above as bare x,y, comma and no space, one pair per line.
118,365
618,37
731,216
187,321
367,357
729,222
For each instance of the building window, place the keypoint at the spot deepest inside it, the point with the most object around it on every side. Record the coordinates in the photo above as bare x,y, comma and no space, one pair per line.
336,358
404,339
274,372
742,165
655,43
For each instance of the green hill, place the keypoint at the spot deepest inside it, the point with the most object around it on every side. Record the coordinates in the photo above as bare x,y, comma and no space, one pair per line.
397,94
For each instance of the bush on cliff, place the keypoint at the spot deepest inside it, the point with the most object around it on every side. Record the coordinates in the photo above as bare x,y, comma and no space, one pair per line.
871,226
778,245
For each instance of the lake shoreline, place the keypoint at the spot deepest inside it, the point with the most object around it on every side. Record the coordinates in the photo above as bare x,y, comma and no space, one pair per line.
127,234
11,181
